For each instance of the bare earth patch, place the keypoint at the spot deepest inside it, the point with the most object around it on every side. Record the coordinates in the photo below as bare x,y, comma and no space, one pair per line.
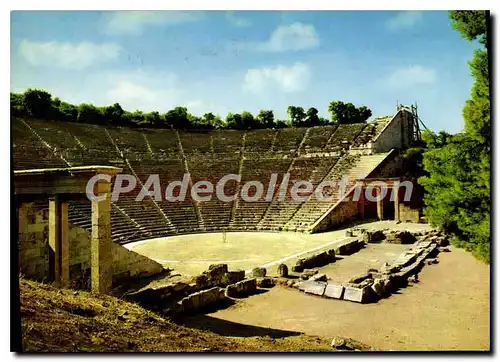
448,310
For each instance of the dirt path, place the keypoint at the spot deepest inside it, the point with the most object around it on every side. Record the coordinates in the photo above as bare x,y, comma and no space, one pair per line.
448,310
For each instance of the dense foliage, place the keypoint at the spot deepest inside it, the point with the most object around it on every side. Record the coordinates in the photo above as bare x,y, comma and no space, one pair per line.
39,104
345,113
457,187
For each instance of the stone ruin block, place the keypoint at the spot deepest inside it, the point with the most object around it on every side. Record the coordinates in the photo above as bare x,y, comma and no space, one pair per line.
215,274
242,288
373,236
265,282
306,274
258,272
312,287
232,277
334,291
359,295
201,299
360,278
319,277
348,247
315,261
283,271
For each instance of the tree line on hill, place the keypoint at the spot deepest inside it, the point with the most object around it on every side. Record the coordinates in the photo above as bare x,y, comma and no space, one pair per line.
38,103
457,184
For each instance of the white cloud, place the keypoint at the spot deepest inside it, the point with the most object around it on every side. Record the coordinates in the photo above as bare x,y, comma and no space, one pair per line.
236,20
287,79
404,20
293,37
134,22
66,54
143,90
412,75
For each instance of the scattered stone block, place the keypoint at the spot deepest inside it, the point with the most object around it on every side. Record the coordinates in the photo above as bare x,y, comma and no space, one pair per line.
258,272
359,295
379,288
348,247
243,288
201,299
215,274
444,249
319,277
283,270
360,278
307,274
316,288
232,277
366,283
334,291
265,282
331,254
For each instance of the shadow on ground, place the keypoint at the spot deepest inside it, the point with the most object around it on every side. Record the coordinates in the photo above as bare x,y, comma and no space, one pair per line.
231,329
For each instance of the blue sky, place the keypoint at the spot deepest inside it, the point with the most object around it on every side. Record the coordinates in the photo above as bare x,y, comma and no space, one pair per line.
224,62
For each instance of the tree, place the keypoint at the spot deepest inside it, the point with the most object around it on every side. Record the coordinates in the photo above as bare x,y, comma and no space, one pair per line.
88,113
67,112
312,118
17,105
297,115
38,103
247,120
153,119
178,118
347,113
265,119
457,188
114,114
233,120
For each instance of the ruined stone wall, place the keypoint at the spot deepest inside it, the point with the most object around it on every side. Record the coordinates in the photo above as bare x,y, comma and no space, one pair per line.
33,243
342,213
34,251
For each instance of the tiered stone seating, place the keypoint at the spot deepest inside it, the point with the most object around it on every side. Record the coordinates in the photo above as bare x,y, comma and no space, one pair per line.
288,139
162,141
259,141
317,138
122,229
209,155
311,210
279,212
89,136
248,214
54,135
196,142
371,130
216,214
344,132
29,152
128,140
80,157
227,142
145,213
182,214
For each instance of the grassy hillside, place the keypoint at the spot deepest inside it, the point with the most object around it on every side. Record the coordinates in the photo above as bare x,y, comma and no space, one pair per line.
65,320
